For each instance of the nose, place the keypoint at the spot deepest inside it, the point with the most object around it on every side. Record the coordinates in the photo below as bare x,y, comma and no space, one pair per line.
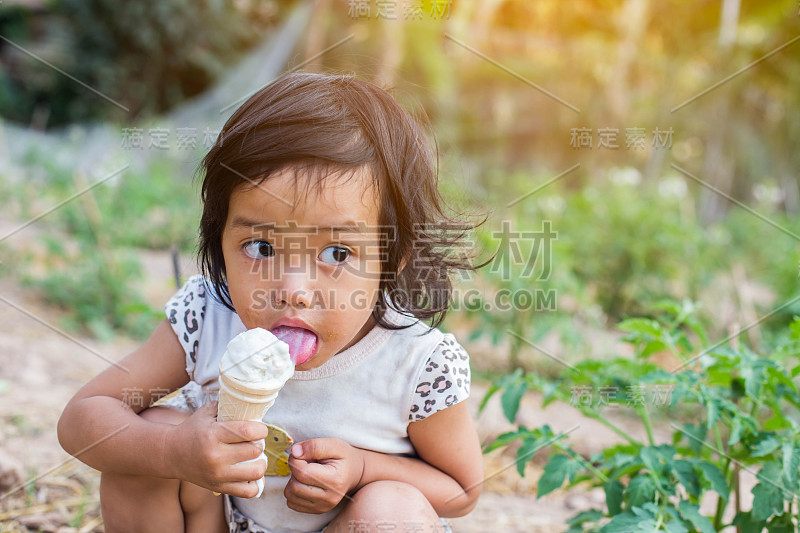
297,289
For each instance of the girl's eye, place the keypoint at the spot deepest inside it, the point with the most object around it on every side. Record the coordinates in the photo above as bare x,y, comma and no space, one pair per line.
258,249
334,254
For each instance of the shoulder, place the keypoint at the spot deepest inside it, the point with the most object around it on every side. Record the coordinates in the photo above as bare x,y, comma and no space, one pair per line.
443,381
186,311
194,290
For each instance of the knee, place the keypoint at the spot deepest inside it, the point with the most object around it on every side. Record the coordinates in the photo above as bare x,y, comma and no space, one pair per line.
115,487
380,499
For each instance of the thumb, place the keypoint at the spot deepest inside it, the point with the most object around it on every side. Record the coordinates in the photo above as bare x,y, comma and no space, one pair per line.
209,408
316,449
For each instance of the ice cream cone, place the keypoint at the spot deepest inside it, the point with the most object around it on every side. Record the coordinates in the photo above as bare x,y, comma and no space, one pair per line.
252,372
242,401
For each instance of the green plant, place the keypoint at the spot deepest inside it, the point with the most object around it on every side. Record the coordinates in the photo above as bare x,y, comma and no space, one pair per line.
147,58
634,243
519,289
729,409
96,288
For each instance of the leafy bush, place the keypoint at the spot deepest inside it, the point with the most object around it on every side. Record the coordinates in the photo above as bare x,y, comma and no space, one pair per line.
635,243
148,56
96,288
730,408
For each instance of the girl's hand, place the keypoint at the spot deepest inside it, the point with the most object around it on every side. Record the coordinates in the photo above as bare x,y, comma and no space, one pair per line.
323,472
205,452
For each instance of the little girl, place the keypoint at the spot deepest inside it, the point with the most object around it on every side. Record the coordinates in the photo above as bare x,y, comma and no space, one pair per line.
322,223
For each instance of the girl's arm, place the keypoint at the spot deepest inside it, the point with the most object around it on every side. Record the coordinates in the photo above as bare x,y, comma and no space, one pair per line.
105,432
449,470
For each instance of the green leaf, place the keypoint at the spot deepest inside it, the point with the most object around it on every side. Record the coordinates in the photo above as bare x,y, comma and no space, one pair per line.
781,524
752,380
791,460
713,475
687,475
555,472
712,410
776,423
614,491
646,511
676,527
642,489
767,500
677,524
747,524
652,459
765,446
695,435
507,438
691,512
652,347
736,432
770,472
486,397
642,327
768,494
511,398
592,515
526,452
622,523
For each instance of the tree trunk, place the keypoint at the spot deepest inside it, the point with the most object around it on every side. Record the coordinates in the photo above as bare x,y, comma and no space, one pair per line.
718,167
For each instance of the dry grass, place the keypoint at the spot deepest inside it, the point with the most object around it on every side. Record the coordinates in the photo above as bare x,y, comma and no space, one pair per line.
66,500
63,501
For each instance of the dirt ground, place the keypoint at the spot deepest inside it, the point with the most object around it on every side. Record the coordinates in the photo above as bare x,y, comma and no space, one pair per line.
42,369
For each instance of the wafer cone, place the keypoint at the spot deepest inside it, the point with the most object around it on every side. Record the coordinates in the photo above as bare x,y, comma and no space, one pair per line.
243,401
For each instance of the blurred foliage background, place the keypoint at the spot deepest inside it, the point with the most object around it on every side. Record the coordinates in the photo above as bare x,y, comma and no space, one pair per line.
701,205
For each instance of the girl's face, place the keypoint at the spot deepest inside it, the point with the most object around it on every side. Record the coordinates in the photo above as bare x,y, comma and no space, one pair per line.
313,263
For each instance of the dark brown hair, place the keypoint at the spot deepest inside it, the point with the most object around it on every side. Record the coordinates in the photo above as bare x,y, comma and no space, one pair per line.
339,124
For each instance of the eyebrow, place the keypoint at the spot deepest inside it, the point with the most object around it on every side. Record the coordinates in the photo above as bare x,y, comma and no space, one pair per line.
347,227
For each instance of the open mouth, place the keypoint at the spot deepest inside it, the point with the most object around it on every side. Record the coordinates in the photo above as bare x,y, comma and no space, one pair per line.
302,342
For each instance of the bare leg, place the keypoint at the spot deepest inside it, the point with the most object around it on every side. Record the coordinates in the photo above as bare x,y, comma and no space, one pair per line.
395,505
140,504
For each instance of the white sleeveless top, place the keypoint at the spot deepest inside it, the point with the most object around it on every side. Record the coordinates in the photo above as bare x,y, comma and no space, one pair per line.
365,395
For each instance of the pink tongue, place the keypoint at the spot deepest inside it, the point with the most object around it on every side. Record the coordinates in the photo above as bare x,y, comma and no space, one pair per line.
302,343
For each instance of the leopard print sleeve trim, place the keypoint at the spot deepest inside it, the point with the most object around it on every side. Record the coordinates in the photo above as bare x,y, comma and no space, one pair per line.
185,312
444,380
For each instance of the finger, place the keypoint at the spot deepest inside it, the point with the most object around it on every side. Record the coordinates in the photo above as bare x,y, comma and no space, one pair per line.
303,507
318,449
207,410
247,471
300,504
316,474
242,451
240,489
308,493
241,431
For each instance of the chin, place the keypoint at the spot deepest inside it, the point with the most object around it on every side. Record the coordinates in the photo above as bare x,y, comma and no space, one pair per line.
314,362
